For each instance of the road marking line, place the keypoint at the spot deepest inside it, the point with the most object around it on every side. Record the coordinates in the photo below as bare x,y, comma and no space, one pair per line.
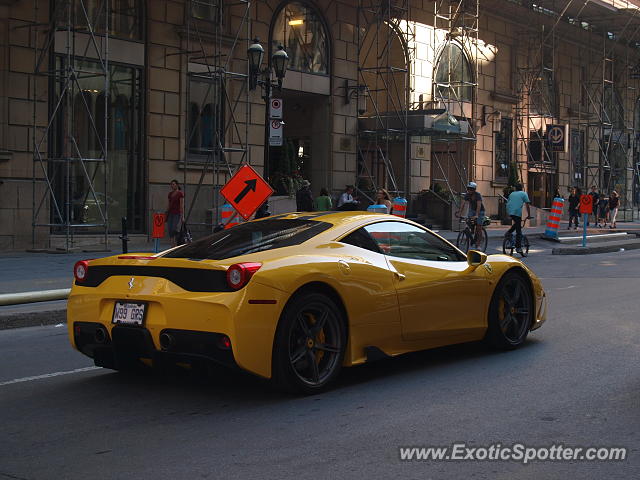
47,375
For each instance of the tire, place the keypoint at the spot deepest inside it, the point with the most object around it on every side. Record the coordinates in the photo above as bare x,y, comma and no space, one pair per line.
507,245
510,312
308,356
463,241
525,246
485,241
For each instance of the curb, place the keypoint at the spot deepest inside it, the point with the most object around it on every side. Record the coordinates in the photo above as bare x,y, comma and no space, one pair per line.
588,250
33,319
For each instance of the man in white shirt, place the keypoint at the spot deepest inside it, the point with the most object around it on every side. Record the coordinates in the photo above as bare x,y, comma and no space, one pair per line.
346,200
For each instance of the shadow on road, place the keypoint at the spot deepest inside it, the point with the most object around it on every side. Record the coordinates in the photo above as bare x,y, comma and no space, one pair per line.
221,387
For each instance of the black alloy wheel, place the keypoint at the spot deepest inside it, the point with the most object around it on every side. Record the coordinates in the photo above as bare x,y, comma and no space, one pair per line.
511,312
309,345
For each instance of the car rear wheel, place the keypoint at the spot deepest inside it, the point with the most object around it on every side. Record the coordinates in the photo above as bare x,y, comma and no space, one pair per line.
510,312
309,345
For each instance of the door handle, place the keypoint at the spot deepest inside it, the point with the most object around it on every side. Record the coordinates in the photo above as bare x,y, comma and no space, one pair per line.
399,275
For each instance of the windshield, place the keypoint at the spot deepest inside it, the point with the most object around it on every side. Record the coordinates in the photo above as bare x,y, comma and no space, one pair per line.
250,237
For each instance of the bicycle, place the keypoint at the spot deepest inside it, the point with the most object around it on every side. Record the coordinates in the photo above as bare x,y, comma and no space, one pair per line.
509,242
468,236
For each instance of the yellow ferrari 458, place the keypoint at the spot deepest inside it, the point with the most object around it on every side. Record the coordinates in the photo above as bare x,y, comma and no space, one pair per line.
296,297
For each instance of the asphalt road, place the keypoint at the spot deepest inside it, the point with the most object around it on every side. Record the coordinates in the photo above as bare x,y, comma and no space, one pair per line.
575,382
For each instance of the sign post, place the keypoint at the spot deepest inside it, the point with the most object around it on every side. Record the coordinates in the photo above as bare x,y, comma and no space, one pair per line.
158,230
246,191
586,208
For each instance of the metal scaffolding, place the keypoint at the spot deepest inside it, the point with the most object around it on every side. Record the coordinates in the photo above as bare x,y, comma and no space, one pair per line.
384,55
62,157
602,130
216,134
456,55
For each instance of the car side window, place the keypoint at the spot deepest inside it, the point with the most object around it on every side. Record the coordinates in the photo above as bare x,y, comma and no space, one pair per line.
399,239
361,238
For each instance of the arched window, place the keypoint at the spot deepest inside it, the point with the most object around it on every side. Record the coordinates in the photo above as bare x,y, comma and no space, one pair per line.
454,78
301,31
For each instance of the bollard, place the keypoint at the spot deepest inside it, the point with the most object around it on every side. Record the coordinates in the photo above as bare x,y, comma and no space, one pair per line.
124,237
400,207
553,221
229,216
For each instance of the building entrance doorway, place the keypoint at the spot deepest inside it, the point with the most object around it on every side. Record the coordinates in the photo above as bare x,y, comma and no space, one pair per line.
306,148
541,188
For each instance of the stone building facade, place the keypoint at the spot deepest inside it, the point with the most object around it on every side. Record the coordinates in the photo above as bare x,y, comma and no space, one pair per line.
166,96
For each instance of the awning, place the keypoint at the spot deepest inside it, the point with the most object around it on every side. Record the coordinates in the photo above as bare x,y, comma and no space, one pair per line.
438,124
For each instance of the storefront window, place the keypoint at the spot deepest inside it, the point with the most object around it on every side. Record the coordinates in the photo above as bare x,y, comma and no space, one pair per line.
503,141
101,122
125,17
454,78
205,136
300,30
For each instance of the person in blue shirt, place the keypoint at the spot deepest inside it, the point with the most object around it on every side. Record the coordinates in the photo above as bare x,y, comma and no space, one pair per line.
515,202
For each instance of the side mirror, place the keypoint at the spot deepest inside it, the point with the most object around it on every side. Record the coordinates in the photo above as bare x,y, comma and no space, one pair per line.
476,258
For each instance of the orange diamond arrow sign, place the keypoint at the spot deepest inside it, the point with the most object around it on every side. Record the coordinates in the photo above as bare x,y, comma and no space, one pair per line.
246,191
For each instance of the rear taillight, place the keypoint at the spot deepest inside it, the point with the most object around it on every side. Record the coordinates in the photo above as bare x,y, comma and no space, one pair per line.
240,273
80,270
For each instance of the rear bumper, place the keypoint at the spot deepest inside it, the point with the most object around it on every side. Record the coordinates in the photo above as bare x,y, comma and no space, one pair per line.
124,346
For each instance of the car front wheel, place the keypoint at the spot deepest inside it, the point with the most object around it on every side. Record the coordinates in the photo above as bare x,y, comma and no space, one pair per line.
510,313
309,345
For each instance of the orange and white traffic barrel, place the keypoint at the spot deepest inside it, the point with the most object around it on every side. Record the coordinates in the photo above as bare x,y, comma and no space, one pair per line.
553,221
400,207
229,216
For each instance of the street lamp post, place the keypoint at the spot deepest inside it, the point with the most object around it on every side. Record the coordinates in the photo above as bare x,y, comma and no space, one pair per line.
259,76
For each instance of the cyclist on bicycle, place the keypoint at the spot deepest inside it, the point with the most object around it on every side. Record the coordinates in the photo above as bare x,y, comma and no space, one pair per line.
514,208
475,213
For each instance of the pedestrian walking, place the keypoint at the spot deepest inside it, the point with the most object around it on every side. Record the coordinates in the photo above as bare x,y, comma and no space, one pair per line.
595,196
603,210
574,201
304,198
346,200
323,202
614,202
175,211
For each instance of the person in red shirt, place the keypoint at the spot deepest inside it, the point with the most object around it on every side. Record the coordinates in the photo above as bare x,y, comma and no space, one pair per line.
175,211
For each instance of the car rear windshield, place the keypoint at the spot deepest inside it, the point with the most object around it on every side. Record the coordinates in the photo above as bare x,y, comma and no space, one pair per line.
250,237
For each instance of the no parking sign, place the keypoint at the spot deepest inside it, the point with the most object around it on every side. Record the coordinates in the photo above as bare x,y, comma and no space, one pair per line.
275,108
275,133
586,204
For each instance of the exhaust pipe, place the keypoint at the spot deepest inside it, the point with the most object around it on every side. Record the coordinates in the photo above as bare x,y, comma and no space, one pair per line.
166,341
100,335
